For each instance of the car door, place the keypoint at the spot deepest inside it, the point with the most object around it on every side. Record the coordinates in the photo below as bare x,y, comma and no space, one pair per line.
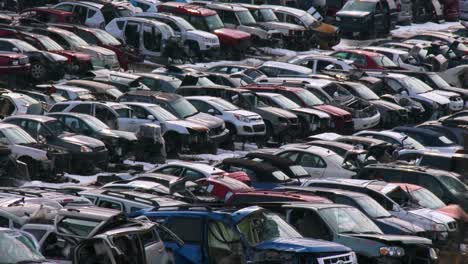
154,247
96,250
313,164
152,41
80,12
107,116
132,34
379,17
132,124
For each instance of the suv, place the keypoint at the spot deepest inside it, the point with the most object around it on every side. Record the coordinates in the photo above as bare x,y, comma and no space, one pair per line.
94,14
279,123
238,17
232,41
197,42
251,234
445,185
44,65
181,108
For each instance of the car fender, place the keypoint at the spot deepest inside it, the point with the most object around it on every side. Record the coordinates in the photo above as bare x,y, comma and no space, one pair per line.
22,151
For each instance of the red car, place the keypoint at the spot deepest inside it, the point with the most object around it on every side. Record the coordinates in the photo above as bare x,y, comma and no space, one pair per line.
49,15
232,40
342,120
99,37
366,60
79,62
450,9
13,64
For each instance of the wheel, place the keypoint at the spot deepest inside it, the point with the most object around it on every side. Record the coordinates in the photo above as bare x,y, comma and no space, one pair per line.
32,167
38,71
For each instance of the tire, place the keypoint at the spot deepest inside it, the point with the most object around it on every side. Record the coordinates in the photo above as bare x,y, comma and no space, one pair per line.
32,167
38,71
229,144
173,146
192,50
269,131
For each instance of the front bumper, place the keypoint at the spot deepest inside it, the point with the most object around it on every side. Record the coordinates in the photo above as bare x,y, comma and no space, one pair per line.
251,129
456,105
366,122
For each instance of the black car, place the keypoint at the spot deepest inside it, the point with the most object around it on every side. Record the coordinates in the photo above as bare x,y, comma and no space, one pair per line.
445,185
454,128
286,165
44,65
429,138
120,144
86,153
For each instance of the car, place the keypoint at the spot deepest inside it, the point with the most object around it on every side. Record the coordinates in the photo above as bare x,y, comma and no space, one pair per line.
67,92
11,168
229,80
430,139
282,69
13,103
86,153
369,18
77,63
121,80
366,60
178,134
445,185
317,161
279,123
148,6
401,58
293,36
35,196
393,137
233,42
456,44
198,43
14,64
133,31
26,149
356,231
238,17
20,246
100,91
238,224
102,38
159,82
311,120
193,171
248,73
120,144
95,14
286,165
44,65
47,15
320,62
318,34
100,57
240,123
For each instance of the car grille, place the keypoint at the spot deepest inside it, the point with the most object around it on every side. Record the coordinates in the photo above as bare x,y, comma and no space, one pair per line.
452,226
100,148
258,128
276,36
23,61
298,33
338,259
417,255
216,131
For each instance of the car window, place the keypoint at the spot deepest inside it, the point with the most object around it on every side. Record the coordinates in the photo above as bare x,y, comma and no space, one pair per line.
140,112
189,229
88,37
75,124
4,222
82,108
202,106
65,7
341,55
192,174
152,39
110,204
176,171
431,184
80,13
310,160
91,13
57,107
292,155
358,59
229,17
269,71
301,219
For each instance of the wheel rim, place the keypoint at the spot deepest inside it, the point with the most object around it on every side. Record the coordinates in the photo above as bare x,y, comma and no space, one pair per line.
37,71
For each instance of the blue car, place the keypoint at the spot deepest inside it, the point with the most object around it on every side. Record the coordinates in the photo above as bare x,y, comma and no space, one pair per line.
248,235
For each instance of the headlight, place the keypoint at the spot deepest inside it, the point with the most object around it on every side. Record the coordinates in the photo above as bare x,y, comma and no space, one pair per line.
242,118
440,228
85,149
433,254
392,251
14,62
338,18
354,257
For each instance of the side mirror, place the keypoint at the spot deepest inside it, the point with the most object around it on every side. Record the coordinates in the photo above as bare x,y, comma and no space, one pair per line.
151,117
16,50
211,111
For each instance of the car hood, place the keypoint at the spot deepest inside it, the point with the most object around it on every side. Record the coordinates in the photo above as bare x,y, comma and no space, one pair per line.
388,105
301,245
82,140
206,119
188,124
432,215
231,33
446,93
401,224
277,111
395,238
204,34
332,110
352,13
98,50
310,111
432,96
244,113
458,90
122,134
454,211
281,25
78,55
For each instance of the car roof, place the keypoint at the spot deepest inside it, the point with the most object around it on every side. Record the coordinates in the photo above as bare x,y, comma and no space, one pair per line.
321,151
192,9
316,206
194,165
419,130
6,125
289,66
226,6
363,52
99,85
39,118
144,20
385,49
327,190
66,87
292,10
392,134
413,168
155,94
157,76
97,5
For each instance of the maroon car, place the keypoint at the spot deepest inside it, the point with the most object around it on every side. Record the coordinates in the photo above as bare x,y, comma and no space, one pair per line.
232,40
48,15
450,9
14,67
99,37
366,60
78,62
342,120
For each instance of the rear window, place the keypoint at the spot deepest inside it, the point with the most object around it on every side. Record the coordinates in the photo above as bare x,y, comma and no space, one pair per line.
58,108
186,228
77,226
383,61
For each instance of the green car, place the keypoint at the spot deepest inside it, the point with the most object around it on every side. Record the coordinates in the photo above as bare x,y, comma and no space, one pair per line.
348,226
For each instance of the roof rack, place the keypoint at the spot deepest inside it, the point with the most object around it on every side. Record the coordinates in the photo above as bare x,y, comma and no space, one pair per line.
131,197
19,192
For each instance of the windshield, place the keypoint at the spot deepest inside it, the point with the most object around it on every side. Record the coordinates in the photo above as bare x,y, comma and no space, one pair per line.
25,47
359,6
427,199
161,114
280,176
416,85
383,61
106,38
123,112
212,23
74,40
17,136
95,123
337,92
309,98
454,185
264,15
265,226
245,18
49,44
364,92
371,207
18,248
183,108
348,220
224,105
56,127
284,102
252,99
441,83
204,81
